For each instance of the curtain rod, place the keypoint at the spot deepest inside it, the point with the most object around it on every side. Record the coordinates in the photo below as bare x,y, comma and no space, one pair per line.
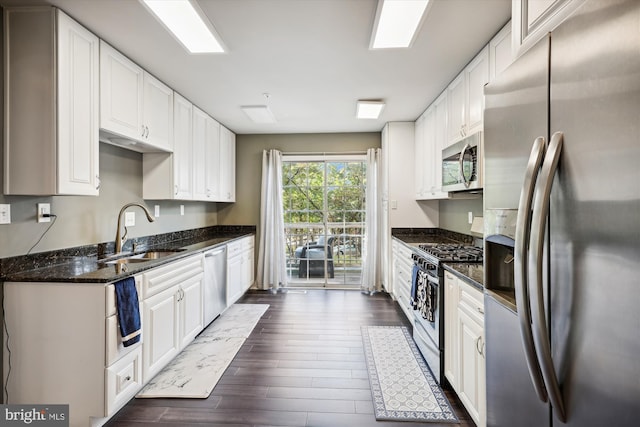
321,153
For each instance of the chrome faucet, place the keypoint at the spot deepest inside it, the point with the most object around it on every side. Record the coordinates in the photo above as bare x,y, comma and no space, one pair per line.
120,241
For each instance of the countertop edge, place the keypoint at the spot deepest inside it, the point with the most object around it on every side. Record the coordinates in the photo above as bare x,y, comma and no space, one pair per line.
108,274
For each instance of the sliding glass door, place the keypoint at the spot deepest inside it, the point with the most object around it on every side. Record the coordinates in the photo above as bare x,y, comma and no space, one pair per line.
324,219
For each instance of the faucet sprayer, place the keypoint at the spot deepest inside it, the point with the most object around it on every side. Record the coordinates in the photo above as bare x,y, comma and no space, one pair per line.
120,240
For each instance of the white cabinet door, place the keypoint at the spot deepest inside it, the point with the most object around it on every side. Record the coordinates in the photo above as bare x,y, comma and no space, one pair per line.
234,279
456,110
212,156
51,112
78,92
200,159
471,365
451,329
182,148
476,76
420,156
247,269
227,165
160,332
121,94
500,52
440,142
471,387
157,113
191,309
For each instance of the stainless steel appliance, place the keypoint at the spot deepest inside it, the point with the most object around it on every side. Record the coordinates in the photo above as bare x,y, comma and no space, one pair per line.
562,146
428,297
461,164
215,283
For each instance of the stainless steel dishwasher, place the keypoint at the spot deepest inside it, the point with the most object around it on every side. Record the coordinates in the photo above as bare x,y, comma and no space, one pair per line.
215,283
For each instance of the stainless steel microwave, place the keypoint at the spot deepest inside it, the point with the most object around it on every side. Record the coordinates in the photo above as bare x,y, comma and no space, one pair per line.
462,164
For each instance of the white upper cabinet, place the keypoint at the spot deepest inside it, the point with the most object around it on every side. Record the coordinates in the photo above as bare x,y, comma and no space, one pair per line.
500,52
465,96
200,142
212,156
476,76
182,148
158,113
456,113
135,108
533,19
419,150
51,104
227,165
121,94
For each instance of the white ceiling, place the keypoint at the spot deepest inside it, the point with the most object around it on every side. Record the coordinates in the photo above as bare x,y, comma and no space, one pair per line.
311,56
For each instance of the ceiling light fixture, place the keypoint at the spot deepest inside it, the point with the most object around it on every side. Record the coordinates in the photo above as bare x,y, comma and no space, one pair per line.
369,109
188,23
259,113
397,23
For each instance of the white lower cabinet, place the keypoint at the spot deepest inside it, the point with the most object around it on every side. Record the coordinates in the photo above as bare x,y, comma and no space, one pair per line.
172,311
240,273
123,380
402,269
464,345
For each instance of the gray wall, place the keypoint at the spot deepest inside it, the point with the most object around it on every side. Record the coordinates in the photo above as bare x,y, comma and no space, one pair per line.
84,220
454,214
249,149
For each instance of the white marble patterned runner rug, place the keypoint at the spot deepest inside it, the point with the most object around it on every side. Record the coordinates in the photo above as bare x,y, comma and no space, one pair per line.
198,368
402,385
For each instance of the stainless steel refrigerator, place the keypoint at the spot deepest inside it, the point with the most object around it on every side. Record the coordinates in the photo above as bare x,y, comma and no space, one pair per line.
562,218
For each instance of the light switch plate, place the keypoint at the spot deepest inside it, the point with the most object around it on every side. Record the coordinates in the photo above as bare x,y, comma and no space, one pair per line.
5,214
129,219
156,211
181,209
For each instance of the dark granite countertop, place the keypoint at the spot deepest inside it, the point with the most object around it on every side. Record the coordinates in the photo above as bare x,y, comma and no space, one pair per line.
471,272
69,266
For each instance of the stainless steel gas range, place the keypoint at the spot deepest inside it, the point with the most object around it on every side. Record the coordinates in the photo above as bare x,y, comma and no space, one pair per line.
427,297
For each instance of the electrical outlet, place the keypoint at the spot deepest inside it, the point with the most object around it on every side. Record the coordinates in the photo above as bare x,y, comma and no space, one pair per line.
156,211
44,209
129,219
181,209
5,214
470,217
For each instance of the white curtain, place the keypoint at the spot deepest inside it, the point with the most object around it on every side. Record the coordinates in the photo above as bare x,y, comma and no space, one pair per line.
272,272
373,233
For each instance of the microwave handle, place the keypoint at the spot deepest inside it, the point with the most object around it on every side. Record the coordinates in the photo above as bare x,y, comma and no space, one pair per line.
467,182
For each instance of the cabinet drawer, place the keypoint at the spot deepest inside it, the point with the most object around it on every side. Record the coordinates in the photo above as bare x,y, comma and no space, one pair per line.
239,246
111,296
114,348
123,379
161,278
471,301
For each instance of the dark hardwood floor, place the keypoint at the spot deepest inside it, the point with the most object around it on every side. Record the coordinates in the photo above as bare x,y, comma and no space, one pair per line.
303,365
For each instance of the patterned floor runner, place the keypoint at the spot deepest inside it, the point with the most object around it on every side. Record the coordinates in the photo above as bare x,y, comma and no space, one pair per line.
402,385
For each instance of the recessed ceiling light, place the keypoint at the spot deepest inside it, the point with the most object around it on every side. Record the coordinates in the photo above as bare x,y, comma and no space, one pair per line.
369,109
397,22
188,23
259,113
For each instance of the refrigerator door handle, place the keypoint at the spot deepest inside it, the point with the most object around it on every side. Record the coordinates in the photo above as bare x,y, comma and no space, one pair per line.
523,223
538,226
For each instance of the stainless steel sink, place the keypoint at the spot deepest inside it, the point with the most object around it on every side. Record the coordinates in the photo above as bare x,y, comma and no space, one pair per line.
144,256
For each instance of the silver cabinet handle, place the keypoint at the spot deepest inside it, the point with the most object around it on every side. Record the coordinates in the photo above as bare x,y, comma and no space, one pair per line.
175,188
481,311
142,133
98,182
523,223
538,228
147,135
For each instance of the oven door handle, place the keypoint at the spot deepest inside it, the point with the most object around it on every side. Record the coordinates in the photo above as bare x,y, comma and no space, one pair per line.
523,230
